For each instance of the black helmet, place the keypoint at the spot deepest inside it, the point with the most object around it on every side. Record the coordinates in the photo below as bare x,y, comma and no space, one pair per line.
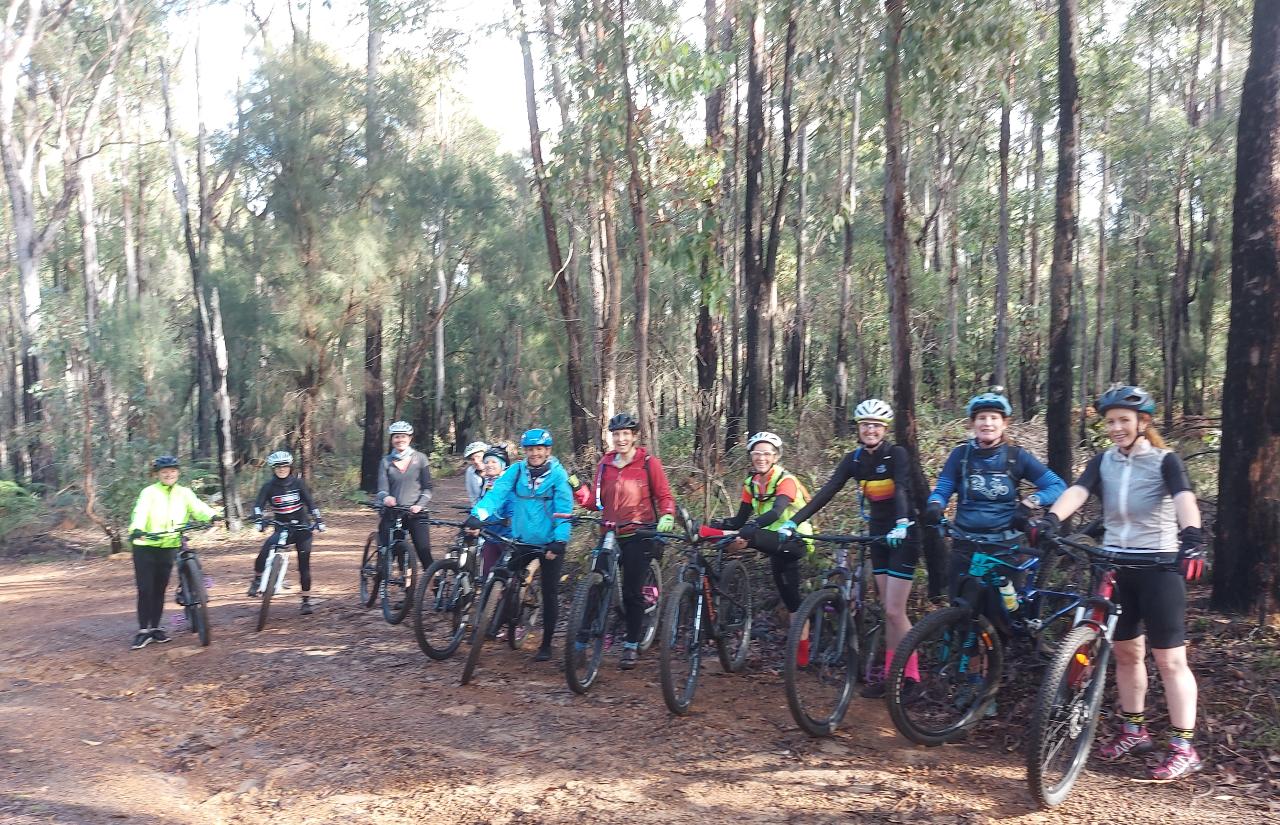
1126,398
163,462
623,421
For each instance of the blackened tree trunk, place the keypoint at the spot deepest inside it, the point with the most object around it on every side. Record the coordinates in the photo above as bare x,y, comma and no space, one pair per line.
840,389
1002,240
1058,413
898,277
753,270
1247,549
565,292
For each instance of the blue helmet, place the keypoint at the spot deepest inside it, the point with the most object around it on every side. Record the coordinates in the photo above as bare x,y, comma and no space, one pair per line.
1126,398
536,438
164,462
989,401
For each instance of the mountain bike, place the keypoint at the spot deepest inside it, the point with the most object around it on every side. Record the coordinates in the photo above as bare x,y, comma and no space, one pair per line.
711,600
846,640
510,603
271,580
598,615
1066,713
192,595
961,650
445,594
389,572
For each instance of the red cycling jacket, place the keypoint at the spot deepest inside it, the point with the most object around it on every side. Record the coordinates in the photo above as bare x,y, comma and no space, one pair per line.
637,492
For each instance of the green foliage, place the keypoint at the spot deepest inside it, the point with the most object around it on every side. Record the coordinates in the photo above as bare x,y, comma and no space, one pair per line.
18,508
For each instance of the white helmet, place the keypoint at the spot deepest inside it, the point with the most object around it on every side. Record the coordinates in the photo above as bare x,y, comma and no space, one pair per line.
873,410
474,447
400,427
766,437
279,459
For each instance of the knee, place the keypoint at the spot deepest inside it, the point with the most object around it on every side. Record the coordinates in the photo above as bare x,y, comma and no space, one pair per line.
1128,654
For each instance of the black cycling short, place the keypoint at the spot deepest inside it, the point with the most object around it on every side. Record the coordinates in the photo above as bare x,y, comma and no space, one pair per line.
1154,597
898,562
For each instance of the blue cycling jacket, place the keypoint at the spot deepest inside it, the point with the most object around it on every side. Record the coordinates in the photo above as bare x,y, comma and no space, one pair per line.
986,482
531,502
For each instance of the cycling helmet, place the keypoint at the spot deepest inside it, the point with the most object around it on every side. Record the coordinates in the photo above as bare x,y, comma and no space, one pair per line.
498,451
875,411
164,461
400,427
279,459
536,438
474,447
623,421
766,437
989,401
1126,398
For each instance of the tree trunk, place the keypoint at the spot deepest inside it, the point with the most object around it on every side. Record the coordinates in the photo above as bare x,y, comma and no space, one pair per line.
1029,368
565,292
1100,305
1247,546
753,272
636,191
1002,240
1058,416
374,392
222,397
793,370
840,391
898,278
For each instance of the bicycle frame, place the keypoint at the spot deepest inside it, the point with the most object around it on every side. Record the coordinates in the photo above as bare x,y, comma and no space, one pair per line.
279,542
854,596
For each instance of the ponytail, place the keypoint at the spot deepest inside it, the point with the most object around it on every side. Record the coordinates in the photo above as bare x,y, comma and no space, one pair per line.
1152,434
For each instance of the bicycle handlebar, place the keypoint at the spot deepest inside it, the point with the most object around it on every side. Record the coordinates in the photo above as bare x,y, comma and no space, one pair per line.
837,539
1089,553
182,528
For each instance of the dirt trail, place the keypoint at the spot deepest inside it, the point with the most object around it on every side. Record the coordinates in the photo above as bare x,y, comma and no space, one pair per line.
338,717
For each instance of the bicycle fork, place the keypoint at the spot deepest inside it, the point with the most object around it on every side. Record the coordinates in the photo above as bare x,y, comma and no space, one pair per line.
266,571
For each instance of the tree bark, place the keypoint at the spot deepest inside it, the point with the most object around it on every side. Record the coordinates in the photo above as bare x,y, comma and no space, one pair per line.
1058,415
371,447
1002,240
567,295
840,393
793,379
898,282
753,271
1247,546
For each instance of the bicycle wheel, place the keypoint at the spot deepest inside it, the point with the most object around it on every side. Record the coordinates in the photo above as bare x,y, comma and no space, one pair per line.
370,572
584,636
440,605
652,590
1066,715
526,616
680,647
269,589
486,623
197,601
960,661
733,624
819,691
399,577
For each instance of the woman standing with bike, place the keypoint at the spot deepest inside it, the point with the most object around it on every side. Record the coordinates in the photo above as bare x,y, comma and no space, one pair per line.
985,473
1146,497
882,470
404,479
771,497
288,497
630,486
495,464
473,474
161,507
536,489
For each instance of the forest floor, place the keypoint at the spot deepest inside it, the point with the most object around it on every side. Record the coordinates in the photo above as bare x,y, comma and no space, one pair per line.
338,717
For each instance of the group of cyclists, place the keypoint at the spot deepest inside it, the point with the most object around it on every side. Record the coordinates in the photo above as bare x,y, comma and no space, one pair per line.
1149,511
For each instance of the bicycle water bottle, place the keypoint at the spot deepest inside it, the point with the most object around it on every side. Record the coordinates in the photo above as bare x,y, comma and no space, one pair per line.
1009,595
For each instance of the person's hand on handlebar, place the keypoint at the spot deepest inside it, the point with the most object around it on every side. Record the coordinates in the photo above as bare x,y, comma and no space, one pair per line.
389,501
932,514
667,523
1045,527
554,549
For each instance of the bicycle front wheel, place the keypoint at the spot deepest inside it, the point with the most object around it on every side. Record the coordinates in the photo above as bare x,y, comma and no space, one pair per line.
959,658
819,689
584,637
197,601
399,577
733,624
525,616
269,588
1066,714
440,605
370,572
487,622
652,592
680,647
870,627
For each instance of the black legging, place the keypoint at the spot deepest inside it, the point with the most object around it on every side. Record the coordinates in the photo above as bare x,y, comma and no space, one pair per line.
418,529
550,570
784,562
635,554
300,538
151,569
